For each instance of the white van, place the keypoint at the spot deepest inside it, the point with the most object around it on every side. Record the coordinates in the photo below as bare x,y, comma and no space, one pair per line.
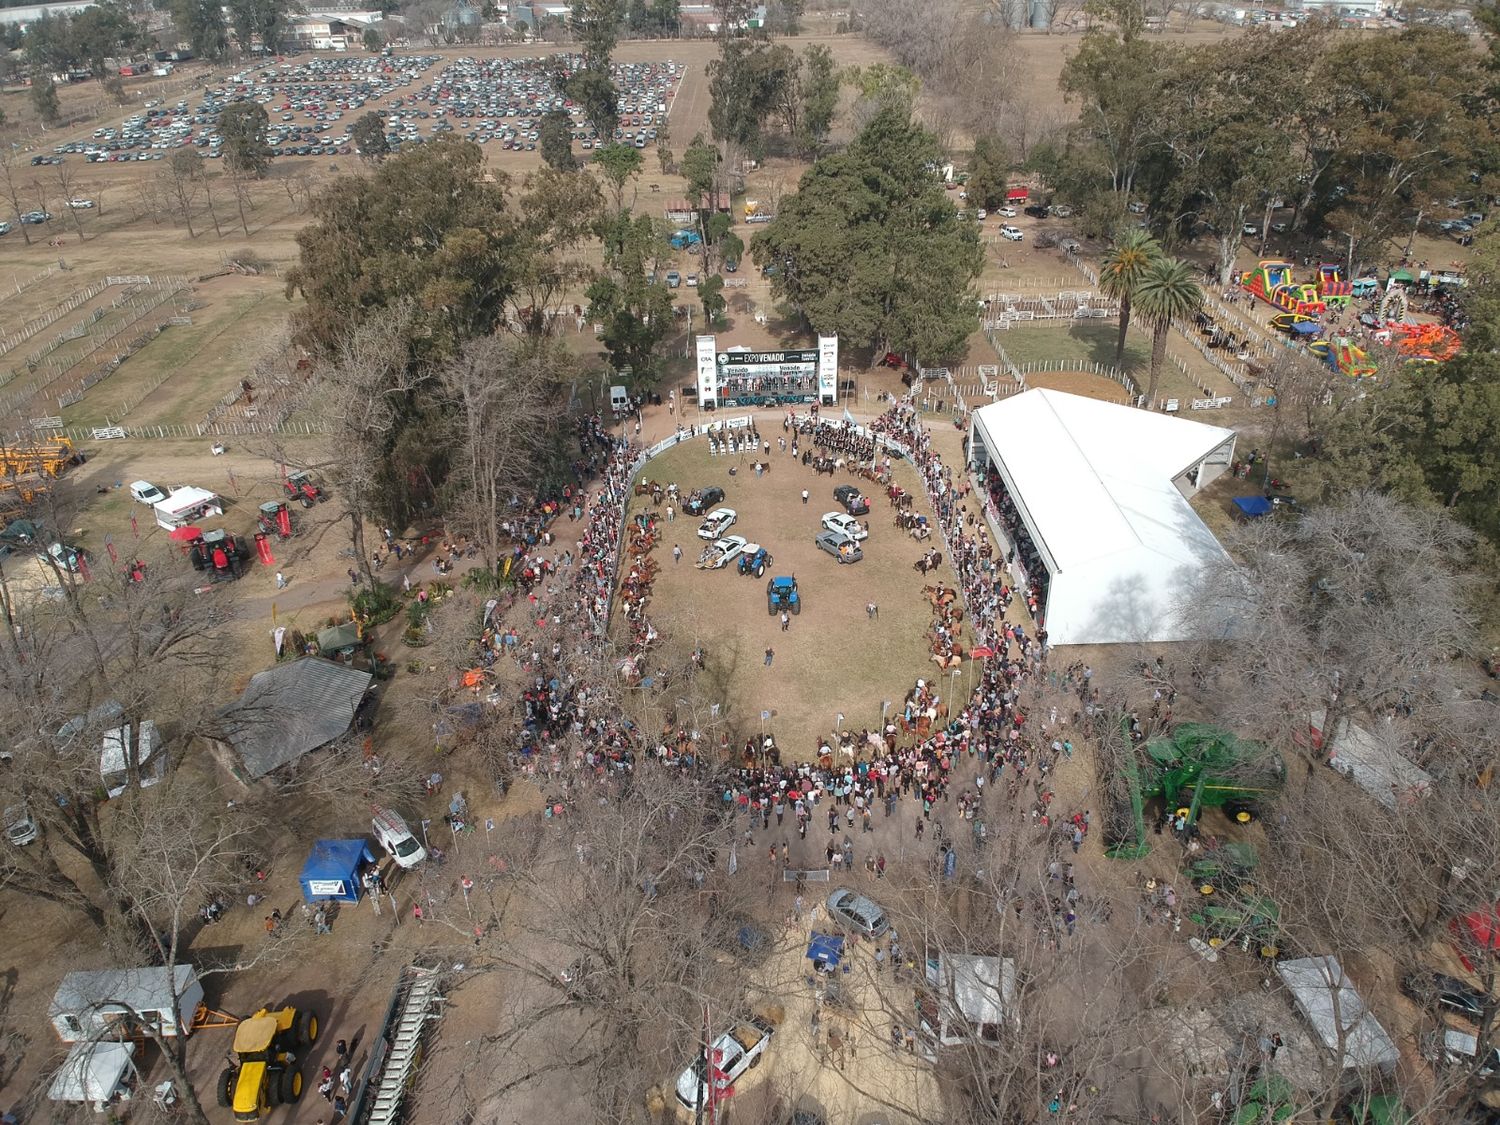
619,400
397,839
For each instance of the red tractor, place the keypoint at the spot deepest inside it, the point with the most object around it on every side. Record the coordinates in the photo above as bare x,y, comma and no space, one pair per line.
302,486
275,518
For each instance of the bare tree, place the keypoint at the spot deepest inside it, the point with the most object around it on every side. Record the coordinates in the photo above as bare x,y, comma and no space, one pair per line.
501,394
1357,609
67,185
9,178
356,394
181,180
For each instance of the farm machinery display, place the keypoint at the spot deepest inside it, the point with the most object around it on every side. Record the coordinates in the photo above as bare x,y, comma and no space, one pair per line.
1198,766
1230,907
754,560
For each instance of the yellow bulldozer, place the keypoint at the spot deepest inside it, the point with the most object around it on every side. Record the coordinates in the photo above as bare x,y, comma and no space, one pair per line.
266,1074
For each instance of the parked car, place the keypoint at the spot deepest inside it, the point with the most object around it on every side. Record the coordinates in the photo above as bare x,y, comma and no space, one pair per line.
855,912
717,522
721,552
1006,212
692,281
1036,211
981,214
36,218
1010,233
1460,1048
736,1051
397,839
20,827
80,204
840,546
4,228
1434,990
674,279
1062,211
845,525
144,492
850,498
702,501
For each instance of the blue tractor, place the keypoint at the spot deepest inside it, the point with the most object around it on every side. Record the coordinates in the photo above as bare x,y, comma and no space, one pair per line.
754,561
781,594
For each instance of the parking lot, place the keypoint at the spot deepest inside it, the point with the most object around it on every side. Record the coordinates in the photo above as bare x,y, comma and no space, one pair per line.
312,105
504,99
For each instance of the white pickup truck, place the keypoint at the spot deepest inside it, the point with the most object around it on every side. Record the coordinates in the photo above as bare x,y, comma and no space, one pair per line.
731,1055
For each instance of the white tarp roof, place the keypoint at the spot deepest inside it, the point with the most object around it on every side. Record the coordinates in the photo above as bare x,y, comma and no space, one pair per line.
91,1072
1328,1002
1093,481
982,988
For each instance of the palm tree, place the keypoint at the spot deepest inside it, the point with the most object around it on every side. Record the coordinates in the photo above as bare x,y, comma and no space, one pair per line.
1166,292
1123,266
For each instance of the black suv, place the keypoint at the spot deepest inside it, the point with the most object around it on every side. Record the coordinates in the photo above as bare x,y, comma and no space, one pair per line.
704,501
1446,994
1037,211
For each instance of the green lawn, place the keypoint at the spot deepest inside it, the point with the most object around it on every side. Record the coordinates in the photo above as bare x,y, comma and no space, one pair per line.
1081,343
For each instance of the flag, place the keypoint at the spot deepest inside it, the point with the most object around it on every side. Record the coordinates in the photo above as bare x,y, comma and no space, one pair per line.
981,652
848,417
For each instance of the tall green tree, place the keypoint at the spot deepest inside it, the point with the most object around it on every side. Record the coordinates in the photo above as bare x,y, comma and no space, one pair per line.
594,90
870,248
749,80
202,23
555,140
101,32
243,126
820,97
369,137
1120,275
619,164
596,23
635,309
44,99
1166,292
989,171
700,166
711,294
425,228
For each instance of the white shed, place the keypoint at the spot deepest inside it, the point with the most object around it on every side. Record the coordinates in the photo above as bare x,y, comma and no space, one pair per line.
93,1072
975,999
1327,1000
116,1003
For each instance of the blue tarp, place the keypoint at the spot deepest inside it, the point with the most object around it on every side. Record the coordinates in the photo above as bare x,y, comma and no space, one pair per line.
1306,328
826,949
332,870
1253,507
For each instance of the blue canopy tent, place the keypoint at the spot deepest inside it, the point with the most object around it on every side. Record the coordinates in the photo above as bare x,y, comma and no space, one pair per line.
825,950
1306,328
332,870
1253,507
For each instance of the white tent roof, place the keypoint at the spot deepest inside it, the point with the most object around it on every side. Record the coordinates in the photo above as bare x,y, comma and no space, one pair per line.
1093,481
91,1072
1328,1002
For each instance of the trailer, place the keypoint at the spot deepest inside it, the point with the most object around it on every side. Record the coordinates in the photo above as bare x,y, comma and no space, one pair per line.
119,1003
1338,1017
967,998
186,506
1372,761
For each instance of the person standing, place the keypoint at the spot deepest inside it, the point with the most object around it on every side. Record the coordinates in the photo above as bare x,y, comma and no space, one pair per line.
770,656
677,552
786,622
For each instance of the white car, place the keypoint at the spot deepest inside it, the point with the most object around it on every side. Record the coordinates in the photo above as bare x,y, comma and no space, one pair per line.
716,523
1012,233
845,525
80,204
721,552
731,1055
1006,212
981,214
144,492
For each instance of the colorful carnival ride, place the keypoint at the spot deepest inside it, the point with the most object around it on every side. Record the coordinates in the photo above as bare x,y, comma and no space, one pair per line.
1271,280
1331,285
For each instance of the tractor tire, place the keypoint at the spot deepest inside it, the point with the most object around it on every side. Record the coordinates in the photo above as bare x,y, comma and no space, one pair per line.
306,503
273,1088
307,1028
797,608
290,1087
1240,812
771,610
760,572
228,1079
